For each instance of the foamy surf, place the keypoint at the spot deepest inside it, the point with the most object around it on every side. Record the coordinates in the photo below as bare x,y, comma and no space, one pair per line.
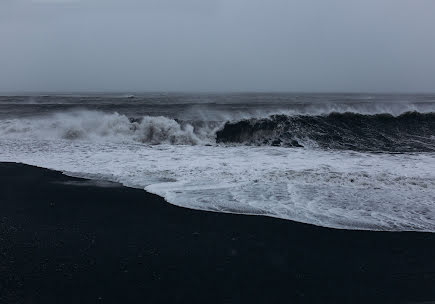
346,190
99,126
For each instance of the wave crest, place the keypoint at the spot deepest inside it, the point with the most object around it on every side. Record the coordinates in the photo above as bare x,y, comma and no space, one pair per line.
408,132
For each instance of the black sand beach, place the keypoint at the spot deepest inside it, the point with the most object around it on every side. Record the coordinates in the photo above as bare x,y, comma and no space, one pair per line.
68,240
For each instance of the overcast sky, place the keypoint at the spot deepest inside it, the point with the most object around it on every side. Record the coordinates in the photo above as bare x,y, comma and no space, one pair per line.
217,45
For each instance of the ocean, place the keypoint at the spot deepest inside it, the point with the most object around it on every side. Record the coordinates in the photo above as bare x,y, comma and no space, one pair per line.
346,161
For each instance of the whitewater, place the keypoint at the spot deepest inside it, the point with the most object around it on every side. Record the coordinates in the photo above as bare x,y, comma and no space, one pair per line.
348,170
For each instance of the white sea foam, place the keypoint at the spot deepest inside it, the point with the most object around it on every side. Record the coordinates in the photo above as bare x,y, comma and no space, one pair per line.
99,126
337,189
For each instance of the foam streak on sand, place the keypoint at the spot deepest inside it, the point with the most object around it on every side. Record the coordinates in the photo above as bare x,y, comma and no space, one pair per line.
340,189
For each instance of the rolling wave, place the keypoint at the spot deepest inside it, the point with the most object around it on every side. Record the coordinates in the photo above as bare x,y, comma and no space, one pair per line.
408,132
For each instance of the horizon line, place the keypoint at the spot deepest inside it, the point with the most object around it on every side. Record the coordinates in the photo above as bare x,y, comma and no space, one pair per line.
200,92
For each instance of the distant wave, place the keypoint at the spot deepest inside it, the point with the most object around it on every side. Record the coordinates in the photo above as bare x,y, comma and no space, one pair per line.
230,106
408,132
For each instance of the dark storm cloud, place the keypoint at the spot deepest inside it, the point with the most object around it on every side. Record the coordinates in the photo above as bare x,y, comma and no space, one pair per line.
217,45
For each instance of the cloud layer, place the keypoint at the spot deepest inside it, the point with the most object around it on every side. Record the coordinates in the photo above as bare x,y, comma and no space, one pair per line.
212,45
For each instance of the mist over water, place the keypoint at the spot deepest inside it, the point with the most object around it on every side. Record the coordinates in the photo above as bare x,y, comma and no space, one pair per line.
212,107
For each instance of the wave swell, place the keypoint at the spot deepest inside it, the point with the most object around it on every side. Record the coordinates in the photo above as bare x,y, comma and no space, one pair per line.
408,132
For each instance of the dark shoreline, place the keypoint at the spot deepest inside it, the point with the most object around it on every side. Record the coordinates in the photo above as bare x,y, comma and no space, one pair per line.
66,240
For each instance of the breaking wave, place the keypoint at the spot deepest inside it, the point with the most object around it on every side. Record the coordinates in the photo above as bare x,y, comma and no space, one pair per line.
408,132
92,125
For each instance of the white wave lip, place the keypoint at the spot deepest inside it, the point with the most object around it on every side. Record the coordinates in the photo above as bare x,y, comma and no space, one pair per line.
338,189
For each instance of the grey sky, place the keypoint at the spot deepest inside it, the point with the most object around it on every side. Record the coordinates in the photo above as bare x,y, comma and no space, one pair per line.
217,45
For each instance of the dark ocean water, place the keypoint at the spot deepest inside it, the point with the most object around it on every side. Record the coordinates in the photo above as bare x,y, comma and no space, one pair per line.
189,106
